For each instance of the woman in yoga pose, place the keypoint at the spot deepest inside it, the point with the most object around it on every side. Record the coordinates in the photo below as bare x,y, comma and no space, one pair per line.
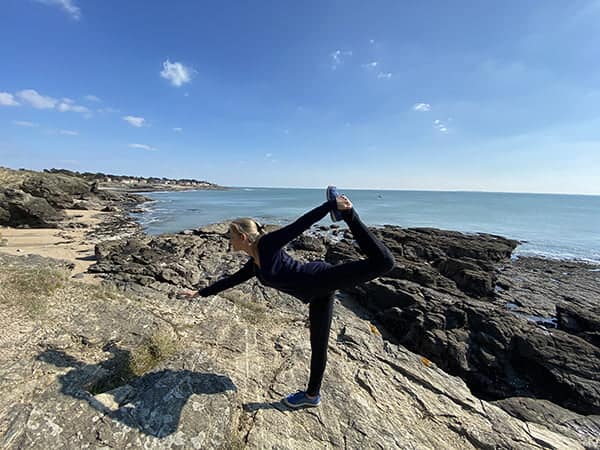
314,282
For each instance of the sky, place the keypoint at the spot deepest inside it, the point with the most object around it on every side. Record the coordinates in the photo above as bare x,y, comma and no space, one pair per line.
429,95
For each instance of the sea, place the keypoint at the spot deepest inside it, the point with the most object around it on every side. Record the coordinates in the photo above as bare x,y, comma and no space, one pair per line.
547,225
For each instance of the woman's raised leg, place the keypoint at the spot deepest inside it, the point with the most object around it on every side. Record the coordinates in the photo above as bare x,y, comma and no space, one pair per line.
379,259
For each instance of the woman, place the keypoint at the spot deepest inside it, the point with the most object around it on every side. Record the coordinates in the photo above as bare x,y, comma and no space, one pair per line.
313,283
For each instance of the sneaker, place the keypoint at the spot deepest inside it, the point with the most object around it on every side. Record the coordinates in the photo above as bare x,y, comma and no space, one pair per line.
332,194
299,399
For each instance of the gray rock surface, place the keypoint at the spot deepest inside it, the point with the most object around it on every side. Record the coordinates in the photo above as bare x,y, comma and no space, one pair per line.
66,383
58,190
18,208
460,301
584,429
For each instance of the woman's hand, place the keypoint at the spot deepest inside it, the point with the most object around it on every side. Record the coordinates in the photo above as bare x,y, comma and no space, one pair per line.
187,294
343,203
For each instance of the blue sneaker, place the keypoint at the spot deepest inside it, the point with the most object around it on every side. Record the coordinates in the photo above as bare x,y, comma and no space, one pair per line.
299,399
332,194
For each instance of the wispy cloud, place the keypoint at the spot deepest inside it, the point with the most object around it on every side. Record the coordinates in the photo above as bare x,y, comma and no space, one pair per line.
371,65
422,107
69,132
384,75
338,57
178,129
37,100
66,104
176,73
107,110
134,121
142,147
68,6
92,98
24,123
7,99
440,126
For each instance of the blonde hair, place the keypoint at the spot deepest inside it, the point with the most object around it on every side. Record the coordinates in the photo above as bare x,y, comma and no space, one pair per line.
250,227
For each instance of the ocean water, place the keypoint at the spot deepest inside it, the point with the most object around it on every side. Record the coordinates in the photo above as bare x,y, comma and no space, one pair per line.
554,226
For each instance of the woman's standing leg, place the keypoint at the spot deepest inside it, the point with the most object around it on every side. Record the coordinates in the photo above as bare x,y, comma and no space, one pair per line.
319,316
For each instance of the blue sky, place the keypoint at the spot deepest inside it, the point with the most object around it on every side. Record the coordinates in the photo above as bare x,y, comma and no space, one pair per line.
465,95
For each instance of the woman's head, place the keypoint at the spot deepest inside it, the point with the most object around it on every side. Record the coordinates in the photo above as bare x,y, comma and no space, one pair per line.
244,232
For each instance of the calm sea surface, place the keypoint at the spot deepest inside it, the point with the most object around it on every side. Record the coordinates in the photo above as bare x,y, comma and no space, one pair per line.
555,226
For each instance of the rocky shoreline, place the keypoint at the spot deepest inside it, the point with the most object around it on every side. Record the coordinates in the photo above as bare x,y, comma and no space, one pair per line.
523,334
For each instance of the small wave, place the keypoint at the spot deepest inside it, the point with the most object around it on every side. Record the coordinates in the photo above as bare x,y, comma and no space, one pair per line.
555,255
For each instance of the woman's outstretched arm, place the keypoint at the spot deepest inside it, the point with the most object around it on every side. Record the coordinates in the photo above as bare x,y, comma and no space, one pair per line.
245,273
282,236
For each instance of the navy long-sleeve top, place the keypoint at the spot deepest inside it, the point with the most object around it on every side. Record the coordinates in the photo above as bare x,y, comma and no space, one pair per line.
278,269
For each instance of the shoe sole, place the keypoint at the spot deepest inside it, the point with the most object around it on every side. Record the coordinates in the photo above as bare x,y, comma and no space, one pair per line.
299,405
332,214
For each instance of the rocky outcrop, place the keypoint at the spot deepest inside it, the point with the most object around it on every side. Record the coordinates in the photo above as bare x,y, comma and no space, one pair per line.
58,190
18,208
450,298
450,301
36,199
68,377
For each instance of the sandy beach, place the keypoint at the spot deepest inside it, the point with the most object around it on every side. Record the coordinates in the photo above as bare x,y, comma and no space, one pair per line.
69,244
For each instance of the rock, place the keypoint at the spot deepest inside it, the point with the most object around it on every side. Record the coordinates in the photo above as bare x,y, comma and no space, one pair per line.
586,429
307,243
90,205
18,208
69,378
440,301
58,190
583,322
560,367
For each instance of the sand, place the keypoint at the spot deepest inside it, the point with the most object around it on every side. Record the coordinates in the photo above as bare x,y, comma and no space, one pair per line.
69,244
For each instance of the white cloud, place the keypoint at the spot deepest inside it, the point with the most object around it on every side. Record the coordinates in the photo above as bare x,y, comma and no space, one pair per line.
69,133
338,57
371,41
67,5
422,107
37,100
7,99
24,123
134,121
142,147
440,126
386,75
92,98
370,65
178,129
268,155
66,104
176,73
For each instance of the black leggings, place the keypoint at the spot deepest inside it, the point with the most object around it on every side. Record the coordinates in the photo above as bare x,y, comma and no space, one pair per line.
379,261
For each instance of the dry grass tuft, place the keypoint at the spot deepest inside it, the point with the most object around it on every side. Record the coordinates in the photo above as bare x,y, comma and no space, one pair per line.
154,350
127,365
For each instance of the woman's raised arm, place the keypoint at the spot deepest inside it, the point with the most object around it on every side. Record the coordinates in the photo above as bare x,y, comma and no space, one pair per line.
283,235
